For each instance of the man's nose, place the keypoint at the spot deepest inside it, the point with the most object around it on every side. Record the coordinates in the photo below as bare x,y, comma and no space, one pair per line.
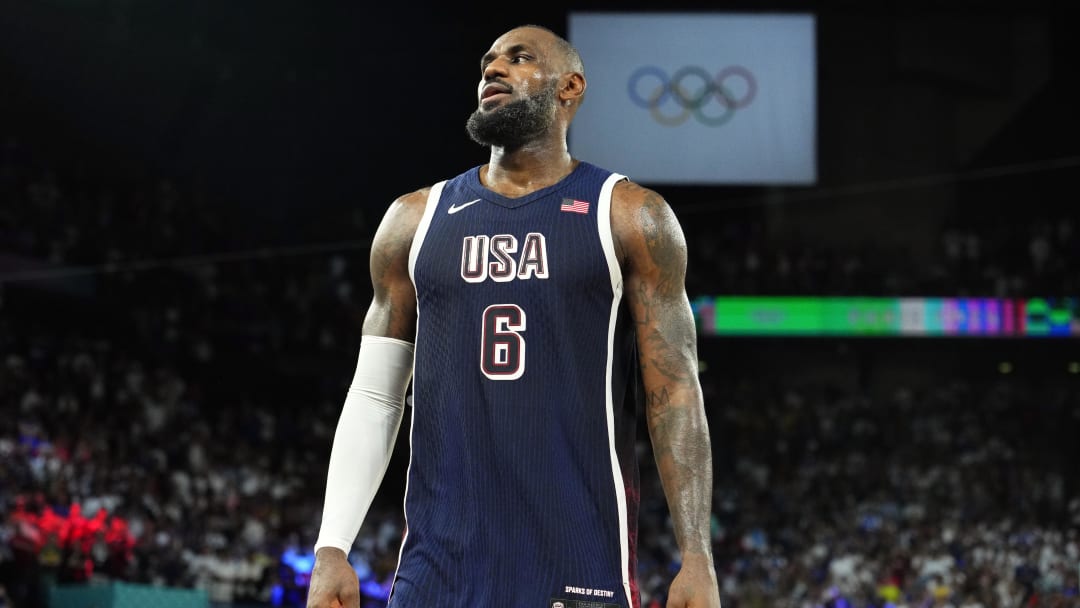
494,69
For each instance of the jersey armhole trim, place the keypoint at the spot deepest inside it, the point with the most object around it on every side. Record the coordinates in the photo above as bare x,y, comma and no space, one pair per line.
603,220
421,230
607,241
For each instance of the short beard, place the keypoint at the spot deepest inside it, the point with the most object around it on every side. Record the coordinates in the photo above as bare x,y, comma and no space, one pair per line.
516,123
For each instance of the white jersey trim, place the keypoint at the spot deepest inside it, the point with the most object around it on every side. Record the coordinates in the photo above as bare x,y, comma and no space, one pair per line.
422,228
607,241
414,251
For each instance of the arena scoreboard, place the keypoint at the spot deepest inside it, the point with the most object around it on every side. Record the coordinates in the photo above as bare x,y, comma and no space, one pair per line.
899,317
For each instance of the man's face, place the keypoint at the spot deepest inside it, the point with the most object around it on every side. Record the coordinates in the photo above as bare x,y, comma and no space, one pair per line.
517,92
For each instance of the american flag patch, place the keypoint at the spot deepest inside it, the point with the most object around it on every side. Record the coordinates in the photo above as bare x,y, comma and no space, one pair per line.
574,206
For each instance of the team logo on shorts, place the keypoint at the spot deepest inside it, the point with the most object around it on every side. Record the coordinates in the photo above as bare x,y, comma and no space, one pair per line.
556,605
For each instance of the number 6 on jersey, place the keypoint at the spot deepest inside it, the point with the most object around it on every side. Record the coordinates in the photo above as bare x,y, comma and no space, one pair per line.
502,349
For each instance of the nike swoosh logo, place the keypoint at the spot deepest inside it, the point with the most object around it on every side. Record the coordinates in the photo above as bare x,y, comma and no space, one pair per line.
455,208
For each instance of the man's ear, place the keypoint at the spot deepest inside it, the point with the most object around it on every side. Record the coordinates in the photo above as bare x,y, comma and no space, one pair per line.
572,87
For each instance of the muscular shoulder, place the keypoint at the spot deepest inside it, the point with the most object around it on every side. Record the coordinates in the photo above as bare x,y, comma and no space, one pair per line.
406,210
401,218
393,238
644,227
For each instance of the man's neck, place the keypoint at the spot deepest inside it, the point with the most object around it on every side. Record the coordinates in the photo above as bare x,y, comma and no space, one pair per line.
525,170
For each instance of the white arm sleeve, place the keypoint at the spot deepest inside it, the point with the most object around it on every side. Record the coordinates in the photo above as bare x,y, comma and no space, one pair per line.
364,439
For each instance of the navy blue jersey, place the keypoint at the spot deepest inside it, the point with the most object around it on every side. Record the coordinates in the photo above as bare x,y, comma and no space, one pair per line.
522,486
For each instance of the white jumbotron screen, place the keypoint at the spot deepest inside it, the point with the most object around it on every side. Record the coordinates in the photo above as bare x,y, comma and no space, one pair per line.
698,99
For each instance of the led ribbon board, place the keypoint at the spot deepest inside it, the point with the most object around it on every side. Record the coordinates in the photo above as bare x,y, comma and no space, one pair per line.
899,317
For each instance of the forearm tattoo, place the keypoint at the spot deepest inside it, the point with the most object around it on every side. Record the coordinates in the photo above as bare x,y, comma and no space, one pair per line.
675,412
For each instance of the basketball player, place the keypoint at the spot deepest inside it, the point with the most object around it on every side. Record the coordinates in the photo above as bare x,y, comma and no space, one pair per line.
531,301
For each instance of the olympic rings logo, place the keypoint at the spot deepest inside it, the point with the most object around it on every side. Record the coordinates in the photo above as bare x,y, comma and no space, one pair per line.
689,91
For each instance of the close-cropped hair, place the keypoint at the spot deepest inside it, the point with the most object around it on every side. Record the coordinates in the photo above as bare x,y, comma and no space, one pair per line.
573,58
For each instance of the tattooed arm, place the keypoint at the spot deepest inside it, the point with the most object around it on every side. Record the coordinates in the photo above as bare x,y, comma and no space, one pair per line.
371,415
652,251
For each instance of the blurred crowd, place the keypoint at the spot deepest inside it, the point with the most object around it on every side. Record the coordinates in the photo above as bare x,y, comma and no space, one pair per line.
75,220
168,417
993,256
955,492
